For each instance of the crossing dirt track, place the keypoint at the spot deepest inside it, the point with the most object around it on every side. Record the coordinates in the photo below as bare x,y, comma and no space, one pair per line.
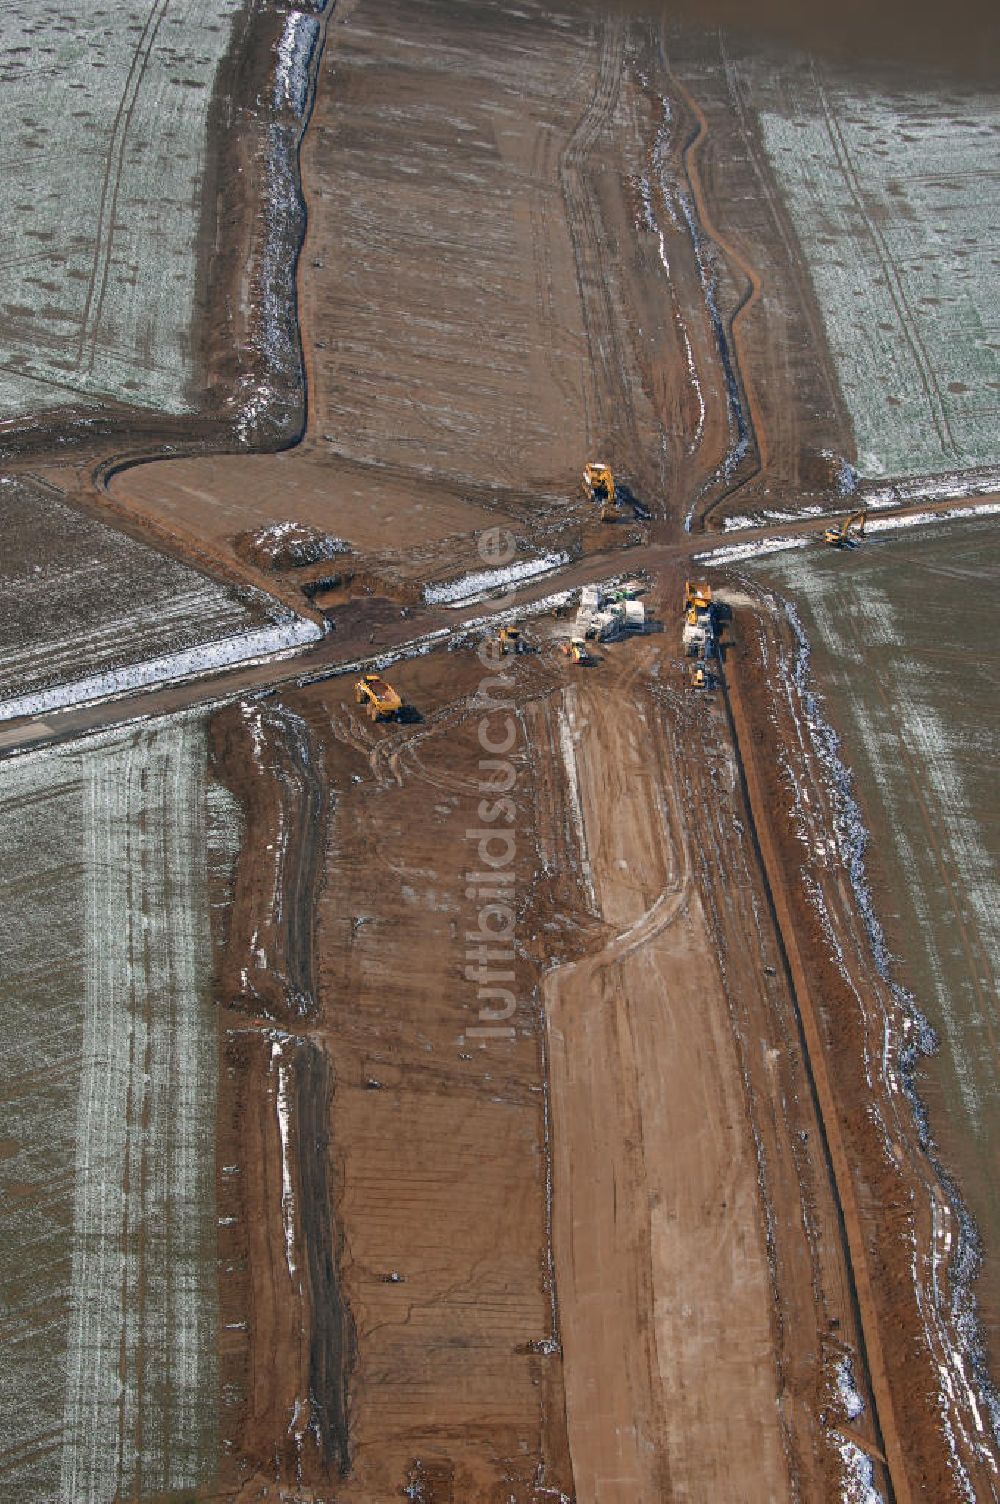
578,1172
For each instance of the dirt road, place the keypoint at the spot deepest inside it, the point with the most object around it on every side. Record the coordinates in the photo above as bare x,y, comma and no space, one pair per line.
592,1242
659,1229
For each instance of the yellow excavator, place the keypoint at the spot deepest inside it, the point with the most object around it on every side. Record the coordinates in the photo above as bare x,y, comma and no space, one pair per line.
382,700
509,639
698,676
840,537
599,485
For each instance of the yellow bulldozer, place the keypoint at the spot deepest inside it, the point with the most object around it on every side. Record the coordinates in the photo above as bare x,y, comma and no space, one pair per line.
509,640
576,651
697,596
840,536
382,700
599,485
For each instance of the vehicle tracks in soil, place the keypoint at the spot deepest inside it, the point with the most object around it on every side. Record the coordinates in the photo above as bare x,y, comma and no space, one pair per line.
610,407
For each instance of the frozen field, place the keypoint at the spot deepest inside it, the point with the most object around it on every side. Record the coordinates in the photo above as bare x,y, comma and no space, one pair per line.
894,200
103,114
86,611
903,633
108,1068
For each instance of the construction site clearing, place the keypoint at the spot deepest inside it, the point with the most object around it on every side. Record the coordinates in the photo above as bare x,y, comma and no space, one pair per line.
557,1103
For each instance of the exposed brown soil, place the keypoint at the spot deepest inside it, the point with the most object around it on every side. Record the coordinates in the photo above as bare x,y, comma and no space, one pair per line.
616,1246
683,1128
725,1226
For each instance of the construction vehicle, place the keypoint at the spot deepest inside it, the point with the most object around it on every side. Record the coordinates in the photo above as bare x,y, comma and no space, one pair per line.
509,639
599,484
382,700
840,537
697,596
698,635
699,676
627,592
576,650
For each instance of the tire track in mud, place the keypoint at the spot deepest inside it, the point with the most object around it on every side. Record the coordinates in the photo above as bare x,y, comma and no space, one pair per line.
610,395
597,985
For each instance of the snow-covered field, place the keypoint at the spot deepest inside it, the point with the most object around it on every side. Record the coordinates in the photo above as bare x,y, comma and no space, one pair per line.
87,612
894,202
104,113
108,1072
903,652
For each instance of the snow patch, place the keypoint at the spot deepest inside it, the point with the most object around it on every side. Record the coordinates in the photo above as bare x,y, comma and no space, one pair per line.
732,553
470,588
924,519
295,49
287,1194
567,746
859,1474
189,663
847,1389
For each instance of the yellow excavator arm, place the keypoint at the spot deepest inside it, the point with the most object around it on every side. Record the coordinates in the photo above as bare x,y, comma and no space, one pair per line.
837,537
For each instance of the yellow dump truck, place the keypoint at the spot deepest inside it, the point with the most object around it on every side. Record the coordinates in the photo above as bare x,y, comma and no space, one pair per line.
382,700
599,484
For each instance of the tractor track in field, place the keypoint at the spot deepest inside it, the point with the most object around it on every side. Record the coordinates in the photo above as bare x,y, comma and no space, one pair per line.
107,210
611,393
